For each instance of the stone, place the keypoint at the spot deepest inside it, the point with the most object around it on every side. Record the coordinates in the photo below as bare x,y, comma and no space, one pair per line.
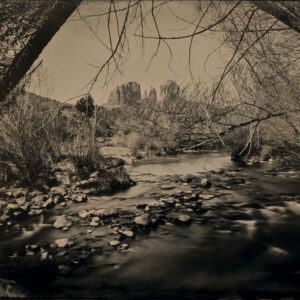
168,200
124,246
64,243
19,193
106,212
94,224
94,175
206,196
62,221
39,199
83,214
79,198
64,269
25,207
63,203
127,233
58,198
21,200
35,212
184,219
44,255
205,183
89,231
142,220
114,243
167,187
58,190
48,203
4,218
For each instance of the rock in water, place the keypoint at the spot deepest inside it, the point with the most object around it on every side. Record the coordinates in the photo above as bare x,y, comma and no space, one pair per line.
64,269
59,191
184,219
127,233
114,243
142,220
205,183
62,221
63,243
79,198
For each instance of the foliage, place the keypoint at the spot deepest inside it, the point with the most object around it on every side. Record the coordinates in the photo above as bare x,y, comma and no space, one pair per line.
86,106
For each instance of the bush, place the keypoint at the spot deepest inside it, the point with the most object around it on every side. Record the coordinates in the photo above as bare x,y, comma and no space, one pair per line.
27,147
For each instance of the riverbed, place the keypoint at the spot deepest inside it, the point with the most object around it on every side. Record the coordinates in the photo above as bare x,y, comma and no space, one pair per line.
243,241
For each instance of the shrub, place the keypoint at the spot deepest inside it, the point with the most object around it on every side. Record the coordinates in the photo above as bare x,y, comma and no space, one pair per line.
27,148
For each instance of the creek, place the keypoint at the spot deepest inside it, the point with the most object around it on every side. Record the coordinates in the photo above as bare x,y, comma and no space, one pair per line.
244,243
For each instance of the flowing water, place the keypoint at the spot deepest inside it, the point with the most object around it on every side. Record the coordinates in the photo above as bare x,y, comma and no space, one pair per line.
246,243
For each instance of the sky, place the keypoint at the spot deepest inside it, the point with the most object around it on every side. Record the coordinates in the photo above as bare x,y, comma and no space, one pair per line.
75,53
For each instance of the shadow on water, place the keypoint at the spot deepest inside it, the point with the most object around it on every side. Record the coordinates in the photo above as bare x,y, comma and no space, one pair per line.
247,244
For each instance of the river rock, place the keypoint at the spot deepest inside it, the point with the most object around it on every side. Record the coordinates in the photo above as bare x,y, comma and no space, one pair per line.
170,201
106,212
58,190
205,183
4,218
184,219
64,269
124,246
83,214
206,196
94,175
167,187
142,220
79,198
62,221
21,200
44,255
19,193
127,233
39,199
35,212
58,199
48,204
114,243
64,243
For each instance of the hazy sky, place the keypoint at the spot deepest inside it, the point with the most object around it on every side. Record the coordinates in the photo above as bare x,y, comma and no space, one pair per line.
69,59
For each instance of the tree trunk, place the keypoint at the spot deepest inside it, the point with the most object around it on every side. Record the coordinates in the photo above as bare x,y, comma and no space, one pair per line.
288,12
37,42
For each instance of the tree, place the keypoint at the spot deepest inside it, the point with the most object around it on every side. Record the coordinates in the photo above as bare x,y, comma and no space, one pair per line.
26,27
86,106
